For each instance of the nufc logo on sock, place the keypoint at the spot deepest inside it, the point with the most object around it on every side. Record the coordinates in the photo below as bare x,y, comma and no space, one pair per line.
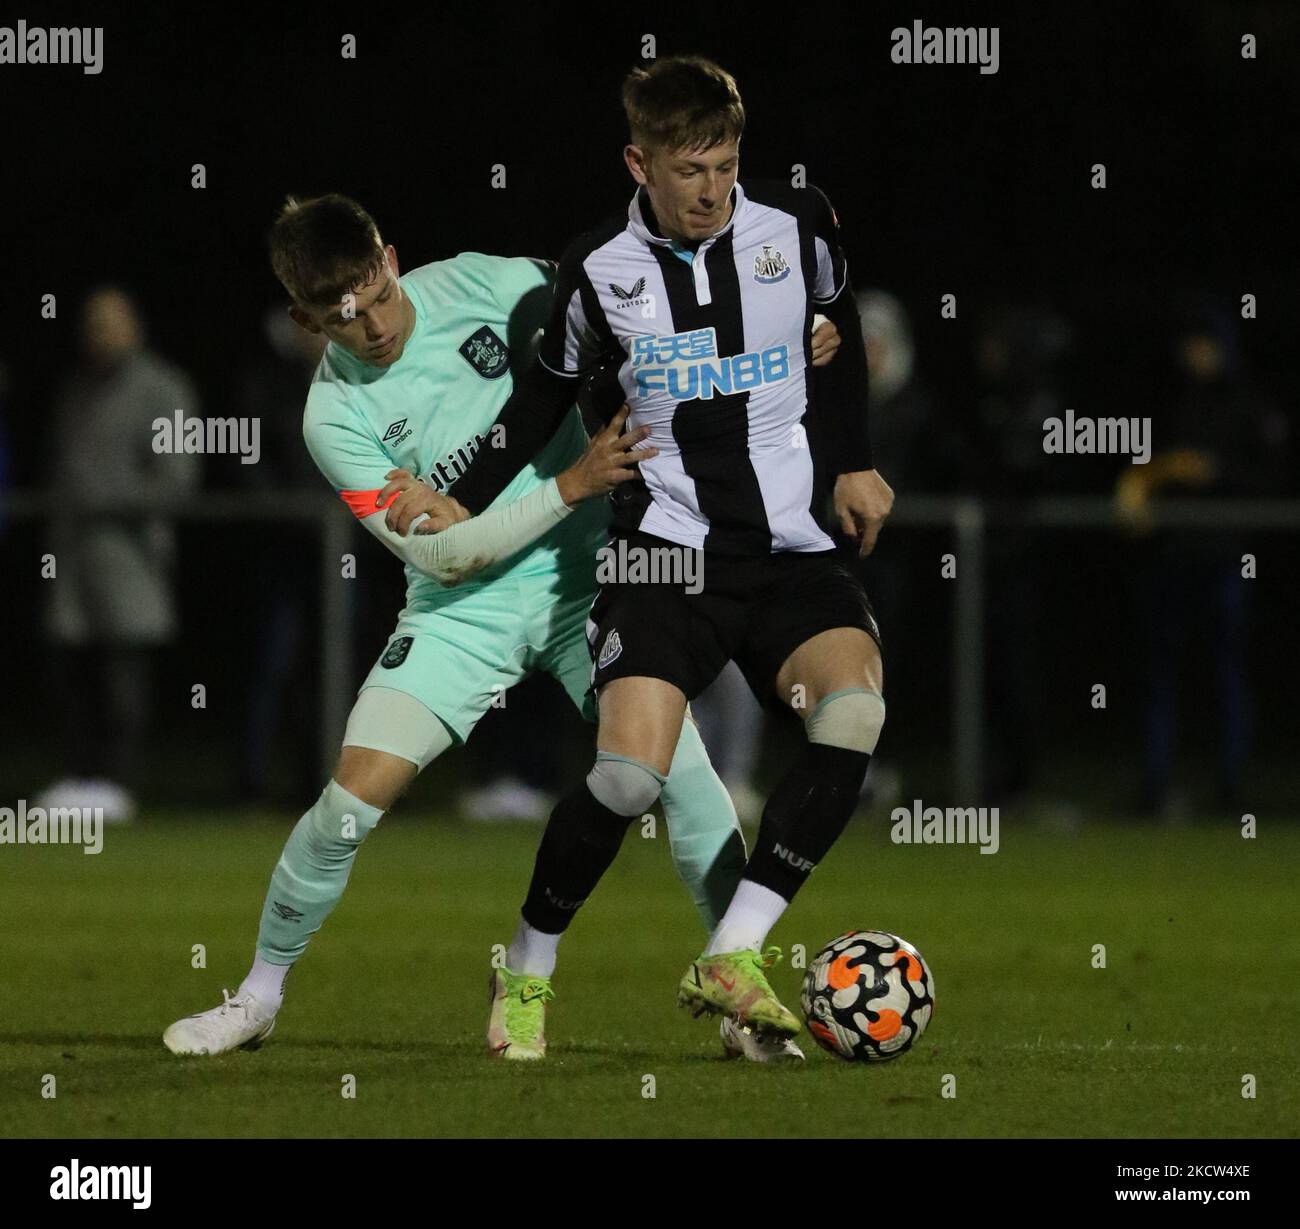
789,855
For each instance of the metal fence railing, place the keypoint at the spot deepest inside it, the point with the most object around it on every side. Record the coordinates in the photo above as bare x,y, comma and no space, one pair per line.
970,521
337,685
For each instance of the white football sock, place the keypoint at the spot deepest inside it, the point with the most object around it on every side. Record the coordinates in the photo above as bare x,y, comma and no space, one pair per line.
533,951
265,982
753,912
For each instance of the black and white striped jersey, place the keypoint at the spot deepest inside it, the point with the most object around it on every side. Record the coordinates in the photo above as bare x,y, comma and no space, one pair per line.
712,343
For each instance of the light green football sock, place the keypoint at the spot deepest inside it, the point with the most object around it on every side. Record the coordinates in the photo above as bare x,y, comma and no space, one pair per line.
312,872
707,845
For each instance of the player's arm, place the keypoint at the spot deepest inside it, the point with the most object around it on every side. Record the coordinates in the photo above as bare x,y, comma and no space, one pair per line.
473,544
531,415
840,388
544,393
355,463
862,497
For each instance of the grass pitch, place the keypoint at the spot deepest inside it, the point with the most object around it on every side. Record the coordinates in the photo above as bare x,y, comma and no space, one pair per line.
1199,990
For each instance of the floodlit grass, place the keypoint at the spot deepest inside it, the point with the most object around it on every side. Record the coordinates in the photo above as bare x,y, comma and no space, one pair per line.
1200,989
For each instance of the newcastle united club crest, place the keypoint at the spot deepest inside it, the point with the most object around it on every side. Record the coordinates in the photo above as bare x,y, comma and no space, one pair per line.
770,266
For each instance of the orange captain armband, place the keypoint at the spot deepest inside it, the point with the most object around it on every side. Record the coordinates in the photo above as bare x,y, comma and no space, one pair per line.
363,503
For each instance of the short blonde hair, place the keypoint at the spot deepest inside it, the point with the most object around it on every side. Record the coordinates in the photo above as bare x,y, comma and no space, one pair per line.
682,102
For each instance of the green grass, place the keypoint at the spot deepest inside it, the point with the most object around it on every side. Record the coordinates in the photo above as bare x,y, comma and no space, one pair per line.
1200,989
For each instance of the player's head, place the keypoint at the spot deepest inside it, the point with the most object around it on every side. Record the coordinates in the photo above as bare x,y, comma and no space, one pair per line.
342,279
111,328
686,120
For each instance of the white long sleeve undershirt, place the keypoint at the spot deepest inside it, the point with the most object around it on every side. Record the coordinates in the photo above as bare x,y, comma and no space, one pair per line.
465,549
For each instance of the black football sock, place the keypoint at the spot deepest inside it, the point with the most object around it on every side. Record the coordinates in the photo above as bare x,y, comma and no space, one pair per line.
581,840
805,815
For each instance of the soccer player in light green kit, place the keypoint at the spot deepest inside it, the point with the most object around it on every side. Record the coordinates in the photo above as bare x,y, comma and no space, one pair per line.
414,377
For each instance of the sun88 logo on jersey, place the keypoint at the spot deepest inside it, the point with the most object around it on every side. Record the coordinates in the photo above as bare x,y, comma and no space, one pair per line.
868,996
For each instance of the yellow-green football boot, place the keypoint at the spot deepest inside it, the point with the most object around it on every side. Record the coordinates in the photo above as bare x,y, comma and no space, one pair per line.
517,1025
734,984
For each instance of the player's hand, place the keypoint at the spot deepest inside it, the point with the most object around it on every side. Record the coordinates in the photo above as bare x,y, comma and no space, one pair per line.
862,501
611,458
414,498
825,341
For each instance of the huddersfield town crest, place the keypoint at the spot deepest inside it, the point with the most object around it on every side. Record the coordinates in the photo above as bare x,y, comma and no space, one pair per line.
486,353
612,648
396,652
770,266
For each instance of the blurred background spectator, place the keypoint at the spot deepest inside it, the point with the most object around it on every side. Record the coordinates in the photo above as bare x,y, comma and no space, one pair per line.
899,404
914,459
1213,435
1020,355
284,571
111,603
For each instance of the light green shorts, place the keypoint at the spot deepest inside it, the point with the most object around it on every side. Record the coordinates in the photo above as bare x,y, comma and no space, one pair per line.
461,657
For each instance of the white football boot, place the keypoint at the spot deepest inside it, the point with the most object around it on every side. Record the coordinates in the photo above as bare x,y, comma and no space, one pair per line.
114,802
240,1023
506,799
741,1042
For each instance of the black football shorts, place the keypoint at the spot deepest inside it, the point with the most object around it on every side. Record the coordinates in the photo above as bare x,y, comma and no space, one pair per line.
753,609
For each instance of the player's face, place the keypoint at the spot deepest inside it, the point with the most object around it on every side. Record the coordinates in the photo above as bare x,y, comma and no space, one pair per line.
690,190
110,328
373,322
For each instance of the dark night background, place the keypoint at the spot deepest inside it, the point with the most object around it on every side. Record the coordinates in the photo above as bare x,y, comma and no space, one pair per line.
945,181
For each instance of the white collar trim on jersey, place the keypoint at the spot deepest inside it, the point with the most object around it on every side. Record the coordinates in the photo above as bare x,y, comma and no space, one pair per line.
637,225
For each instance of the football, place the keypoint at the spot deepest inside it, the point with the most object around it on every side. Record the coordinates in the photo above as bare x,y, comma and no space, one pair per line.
868,996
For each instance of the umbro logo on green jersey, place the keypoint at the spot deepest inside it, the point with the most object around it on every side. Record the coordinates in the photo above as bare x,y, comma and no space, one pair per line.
394,430
486,353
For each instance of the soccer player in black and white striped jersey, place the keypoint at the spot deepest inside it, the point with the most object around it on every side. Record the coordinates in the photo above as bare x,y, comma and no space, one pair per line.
702,301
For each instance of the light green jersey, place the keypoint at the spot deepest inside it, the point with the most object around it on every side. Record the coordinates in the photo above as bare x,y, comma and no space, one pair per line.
476,318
